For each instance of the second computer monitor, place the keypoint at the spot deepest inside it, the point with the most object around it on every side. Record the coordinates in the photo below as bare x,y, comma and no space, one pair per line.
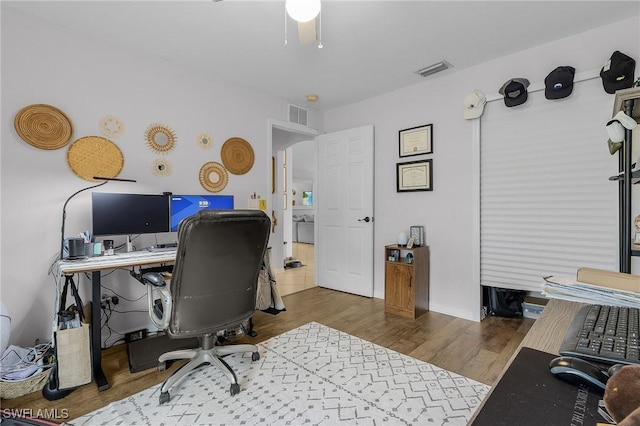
183,206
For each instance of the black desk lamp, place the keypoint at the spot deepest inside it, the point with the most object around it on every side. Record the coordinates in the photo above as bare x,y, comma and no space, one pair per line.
64,208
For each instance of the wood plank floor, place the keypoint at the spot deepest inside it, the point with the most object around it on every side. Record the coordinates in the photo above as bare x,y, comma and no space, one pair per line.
293,280
476,350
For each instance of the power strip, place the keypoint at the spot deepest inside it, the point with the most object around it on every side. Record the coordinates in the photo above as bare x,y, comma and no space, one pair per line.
135,335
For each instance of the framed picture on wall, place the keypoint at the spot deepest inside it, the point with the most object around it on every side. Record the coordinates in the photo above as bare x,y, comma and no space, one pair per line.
414,176
416,140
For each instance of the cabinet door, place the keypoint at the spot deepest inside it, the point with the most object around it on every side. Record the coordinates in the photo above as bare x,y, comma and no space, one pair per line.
399,286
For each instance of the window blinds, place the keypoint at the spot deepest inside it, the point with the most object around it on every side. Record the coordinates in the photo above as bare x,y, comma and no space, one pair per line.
547,206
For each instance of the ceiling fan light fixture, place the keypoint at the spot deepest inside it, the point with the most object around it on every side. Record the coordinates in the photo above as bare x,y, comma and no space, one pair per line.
302,10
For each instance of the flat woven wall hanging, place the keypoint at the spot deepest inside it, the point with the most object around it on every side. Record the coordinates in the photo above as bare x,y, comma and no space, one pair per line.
43,126
161,167
111,126
95,156
237,156
205,141
160,138
213,176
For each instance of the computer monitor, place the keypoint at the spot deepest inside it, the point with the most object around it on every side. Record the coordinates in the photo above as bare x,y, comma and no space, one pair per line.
183,206
129,214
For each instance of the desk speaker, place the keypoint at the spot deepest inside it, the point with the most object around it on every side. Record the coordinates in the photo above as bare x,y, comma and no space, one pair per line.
75,248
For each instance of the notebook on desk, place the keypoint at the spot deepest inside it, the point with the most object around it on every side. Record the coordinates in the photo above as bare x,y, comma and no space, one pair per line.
528,394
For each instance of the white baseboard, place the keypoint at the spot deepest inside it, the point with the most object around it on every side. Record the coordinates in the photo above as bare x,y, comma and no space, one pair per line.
447,310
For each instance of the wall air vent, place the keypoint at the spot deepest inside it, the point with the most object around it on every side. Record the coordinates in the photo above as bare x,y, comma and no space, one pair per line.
297,115
432,69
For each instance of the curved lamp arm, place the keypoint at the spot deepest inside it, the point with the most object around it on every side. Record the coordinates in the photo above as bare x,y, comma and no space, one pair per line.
64,208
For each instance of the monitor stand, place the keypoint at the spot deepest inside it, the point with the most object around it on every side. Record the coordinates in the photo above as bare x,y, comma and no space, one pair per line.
129,244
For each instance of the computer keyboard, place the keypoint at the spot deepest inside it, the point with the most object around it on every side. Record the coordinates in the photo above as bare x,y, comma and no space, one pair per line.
604,334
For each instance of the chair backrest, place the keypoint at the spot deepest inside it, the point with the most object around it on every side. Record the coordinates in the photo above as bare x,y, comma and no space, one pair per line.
215,275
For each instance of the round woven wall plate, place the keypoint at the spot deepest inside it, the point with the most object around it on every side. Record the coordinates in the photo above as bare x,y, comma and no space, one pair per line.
237,156
205,141
95,156
111,126
43,126
213,176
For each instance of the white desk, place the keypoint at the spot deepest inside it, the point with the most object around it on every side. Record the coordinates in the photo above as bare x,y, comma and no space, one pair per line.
95,265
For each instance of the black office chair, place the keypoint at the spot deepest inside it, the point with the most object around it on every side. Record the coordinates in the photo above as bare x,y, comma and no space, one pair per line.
213,288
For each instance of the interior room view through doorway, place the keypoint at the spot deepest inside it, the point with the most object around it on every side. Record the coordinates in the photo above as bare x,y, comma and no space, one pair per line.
294,157
293,280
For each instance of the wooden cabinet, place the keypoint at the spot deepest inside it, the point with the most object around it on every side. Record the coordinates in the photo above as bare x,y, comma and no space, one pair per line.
406,284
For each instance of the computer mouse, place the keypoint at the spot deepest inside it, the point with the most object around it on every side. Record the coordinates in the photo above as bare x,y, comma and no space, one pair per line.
613,370
578,371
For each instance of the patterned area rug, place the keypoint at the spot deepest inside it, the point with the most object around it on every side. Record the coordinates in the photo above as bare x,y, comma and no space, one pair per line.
310,375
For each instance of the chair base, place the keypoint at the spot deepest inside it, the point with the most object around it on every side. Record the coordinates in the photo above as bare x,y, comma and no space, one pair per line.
198,357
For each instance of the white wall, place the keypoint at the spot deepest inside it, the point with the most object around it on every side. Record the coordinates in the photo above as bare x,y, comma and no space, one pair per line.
447,212
87,80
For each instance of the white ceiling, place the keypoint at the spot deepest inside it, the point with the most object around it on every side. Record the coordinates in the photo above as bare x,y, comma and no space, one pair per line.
370,47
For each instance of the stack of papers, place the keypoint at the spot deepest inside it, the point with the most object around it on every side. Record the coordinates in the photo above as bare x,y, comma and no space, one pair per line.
576,291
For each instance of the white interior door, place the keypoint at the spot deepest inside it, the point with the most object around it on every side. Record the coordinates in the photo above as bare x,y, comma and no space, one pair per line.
344,233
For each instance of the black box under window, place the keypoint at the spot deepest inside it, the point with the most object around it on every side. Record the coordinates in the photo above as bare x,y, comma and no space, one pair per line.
502,302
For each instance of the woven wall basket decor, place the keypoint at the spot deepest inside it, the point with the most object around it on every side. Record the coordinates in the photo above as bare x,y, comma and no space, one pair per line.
95,156
205,141
111,126
43,126
213,177
237,156
160,138
161,167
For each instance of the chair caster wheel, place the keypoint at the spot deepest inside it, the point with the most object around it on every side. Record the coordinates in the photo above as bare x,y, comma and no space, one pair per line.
162,366
164,397
255,356
235,389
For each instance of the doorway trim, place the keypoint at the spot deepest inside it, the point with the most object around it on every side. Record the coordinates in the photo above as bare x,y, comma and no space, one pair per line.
277,237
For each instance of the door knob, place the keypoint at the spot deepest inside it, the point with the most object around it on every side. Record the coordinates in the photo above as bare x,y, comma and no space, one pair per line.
366,219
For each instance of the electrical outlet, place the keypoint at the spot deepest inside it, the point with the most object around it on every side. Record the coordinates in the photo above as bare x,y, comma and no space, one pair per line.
108,301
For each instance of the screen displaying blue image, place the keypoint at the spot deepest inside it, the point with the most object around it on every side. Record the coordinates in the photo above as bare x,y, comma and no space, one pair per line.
187,205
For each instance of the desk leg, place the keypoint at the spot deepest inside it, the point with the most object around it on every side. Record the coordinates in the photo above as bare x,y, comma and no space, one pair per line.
96,337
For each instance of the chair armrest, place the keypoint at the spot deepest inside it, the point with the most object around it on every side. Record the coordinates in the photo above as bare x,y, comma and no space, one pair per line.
156,284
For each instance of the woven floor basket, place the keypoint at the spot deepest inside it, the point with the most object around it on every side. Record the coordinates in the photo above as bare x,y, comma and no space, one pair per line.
10,390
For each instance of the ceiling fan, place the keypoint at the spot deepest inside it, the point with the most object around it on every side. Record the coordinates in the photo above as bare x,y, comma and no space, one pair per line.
308,17
307,14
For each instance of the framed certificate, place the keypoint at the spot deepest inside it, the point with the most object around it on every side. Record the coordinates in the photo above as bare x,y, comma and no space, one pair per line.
414,176
416,140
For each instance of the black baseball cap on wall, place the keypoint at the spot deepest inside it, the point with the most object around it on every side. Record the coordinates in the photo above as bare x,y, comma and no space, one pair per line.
514,91
617,73
559,83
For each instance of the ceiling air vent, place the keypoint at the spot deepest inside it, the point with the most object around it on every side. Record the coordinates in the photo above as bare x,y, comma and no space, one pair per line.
297,115
432,69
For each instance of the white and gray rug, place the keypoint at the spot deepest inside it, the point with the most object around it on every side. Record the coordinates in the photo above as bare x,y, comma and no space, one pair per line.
311,375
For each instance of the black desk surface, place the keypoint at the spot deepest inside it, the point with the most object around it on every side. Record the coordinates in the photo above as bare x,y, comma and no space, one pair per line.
528,394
